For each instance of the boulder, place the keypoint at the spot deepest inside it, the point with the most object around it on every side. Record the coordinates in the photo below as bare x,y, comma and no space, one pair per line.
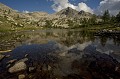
20,66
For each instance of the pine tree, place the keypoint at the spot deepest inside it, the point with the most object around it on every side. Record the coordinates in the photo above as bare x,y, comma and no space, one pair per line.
113,20
70,23
118,17
49,23
106,17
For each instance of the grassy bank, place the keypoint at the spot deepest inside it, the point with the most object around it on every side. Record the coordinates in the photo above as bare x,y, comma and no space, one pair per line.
8,28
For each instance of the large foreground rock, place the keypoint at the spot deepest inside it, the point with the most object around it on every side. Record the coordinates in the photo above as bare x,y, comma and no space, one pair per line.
18,67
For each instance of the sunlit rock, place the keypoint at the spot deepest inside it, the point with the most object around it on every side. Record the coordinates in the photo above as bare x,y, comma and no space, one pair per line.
17,67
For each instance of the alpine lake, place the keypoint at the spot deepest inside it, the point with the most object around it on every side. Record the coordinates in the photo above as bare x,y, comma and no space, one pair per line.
59,54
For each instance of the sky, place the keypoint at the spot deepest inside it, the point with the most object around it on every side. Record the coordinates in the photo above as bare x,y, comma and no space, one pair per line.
51,6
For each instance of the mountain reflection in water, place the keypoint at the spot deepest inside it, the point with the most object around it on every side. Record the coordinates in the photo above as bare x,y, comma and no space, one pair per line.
65,37
65,53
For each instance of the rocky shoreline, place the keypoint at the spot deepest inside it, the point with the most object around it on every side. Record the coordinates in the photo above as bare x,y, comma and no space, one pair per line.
55,61
106,32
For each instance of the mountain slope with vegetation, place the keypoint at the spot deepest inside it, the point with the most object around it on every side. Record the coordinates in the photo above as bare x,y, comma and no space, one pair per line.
67,18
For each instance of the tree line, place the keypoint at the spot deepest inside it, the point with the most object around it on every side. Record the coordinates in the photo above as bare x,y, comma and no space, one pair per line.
105,19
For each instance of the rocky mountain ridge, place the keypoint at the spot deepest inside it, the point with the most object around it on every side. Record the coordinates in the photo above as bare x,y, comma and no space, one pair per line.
59,19
69,12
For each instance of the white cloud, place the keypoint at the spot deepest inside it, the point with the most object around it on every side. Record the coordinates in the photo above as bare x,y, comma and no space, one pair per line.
112,5
25,11
84,7
62,4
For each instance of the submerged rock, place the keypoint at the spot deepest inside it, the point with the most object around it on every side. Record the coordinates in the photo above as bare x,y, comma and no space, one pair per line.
22,76
18,67
49,67
23,60
12,61
32,69
7,56
1,56
26,55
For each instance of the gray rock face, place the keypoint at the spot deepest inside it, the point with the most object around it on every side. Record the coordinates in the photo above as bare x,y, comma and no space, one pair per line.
1,56
18,67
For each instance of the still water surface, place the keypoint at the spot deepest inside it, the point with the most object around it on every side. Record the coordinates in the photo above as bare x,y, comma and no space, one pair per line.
59,46
9,41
